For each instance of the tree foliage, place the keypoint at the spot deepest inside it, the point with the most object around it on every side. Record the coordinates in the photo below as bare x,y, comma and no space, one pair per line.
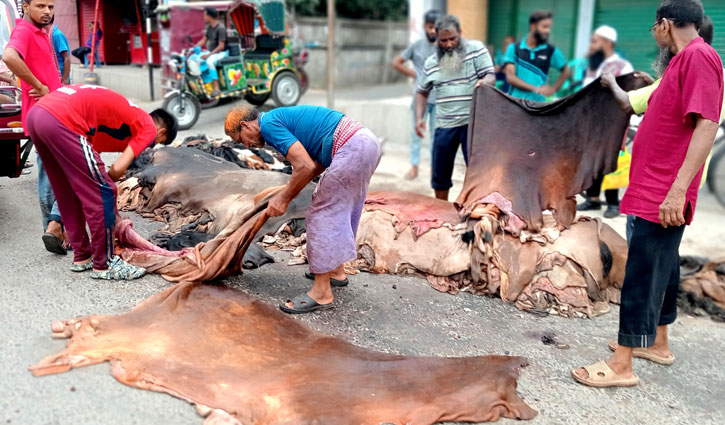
394,10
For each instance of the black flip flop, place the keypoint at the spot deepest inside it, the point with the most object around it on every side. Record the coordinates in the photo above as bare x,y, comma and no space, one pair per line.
334,282
53,244
303,304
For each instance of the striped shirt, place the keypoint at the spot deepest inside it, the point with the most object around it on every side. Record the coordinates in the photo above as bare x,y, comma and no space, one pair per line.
455,92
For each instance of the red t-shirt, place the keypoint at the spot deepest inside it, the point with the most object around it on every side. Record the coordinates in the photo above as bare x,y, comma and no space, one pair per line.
692,86
33,44
110,121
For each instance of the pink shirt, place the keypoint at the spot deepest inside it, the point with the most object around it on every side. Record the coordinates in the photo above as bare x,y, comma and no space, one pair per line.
33,44
692,86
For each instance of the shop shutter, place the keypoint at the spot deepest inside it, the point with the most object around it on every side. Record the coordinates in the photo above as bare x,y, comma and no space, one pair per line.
501,19
715,9
86,13
632,20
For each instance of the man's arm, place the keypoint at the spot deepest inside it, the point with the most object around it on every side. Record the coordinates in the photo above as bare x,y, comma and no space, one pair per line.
66,67
608,81
304,169
399,65
202,42
562,78
672,208
119,167
489,79
17,65
515,81
421,99
219,47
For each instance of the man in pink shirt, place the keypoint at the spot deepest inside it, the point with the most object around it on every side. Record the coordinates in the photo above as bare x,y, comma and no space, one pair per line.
30,56
672,143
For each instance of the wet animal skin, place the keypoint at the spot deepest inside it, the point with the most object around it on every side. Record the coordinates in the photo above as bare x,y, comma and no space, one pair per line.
249,363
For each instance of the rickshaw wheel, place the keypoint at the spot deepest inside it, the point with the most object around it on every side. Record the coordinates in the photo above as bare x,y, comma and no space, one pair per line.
286,89
191,111
256,99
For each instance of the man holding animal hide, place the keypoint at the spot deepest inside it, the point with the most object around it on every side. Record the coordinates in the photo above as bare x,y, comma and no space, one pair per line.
70,126
315,140
671,146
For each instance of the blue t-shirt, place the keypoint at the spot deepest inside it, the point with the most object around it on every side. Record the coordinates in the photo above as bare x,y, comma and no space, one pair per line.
313,126
532,66
60,44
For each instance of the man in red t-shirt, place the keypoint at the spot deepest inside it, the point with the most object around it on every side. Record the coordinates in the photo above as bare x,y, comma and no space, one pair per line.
672,143
70,127
29,55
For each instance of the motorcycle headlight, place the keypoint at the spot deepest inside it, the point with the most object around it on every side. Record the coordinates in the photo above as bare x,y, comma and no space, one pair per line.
194,68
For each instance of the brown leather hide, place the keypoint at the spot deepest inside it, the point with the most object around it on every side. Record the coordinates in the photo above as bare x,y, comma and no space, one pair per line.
222,349
420,212
189,185
709,282
527,157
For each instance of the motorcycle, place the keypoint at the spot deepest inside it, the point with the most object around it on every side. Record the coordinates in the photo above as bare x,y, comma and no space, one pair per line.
181,102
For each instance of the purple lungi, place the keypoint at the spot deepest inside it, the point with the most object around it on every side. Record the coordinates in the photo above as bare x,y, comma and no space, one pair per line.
337,204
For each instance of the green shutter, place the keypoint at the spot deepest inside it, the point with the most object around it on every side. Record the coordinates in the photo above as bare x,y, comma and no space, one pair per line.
633,18
500,22
715,9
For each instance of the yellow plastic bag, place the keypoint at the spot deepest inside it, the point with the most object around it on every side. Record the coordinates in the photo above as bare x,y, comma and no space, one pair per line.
620,177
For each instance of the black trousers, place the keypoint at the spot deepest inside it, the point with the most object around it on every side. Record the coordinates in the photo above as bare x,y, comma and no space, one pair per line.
445,148
81,53
651,283
611,195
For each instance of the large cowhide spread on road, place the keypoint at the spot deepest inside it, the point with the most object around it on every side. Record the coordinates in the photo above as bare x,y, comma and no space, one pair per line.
242,361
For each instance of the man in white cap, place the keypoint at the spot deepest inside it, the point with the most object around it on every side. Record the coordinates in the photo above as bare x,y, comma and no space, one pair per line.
603,60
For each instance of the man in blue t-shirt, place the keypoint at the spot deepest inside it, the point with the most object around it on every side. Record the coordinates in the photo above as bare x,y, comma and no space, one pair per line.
62,52
527,63
316,140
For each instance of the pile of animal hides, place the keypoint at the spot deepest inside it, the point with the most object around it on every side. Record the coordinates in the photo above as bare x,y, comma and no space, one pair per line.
237,359
512,233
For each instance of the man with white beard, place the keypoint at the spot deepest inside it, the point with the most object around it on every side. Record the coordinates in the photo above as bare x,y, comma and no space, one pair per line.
455,70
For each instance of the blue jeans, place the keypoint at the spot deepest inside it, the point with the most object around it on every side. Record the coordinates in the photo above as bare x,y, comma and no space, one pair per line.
48,206
415,141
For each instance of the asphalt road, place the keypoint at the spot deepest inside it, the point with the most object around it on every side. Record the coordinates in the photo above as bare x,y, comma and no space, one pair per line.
387,313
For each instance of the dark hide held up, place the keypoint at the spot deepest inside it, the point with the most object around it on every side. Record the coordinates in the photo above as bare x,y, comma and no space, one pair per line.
527,157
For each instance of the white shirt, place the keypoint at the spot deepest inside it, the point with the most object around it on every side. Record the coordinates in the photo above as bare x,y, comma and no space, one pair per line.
613,64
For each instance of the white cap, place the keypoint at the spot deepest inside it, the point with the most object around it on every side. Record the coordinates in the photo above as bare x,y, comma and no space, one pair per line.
607,32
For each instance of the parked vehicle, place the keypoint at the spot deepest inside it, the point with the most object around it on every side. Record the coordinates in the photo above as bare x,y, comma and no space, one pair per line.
13,152
260,64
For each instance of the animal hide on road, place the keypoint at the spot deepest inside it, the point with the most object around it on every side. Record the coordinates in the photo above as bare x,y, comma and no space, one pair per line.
241,361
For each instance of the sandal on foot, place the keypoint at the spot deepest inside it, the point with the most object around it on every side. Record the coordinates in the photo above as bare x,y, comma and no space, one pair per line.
643,353
334,282
303,303
119,270
81,267
53,244
602,376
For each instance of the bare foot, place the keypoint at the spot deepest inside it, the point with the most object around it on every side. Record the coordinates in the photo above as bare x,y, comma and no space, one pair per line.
412,174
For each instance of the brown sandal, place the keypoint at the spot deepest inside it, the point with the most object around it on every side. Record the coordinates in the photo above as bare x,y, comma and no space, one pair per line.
602,376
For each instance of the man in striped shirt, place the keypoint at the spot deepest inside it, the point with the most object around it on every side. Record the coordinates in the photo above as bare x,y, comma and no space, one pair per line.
455,70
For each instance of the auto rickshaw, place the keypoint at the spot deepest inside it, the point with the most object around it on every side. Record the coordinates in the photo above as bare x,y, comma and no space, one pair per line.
260,62
13,152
